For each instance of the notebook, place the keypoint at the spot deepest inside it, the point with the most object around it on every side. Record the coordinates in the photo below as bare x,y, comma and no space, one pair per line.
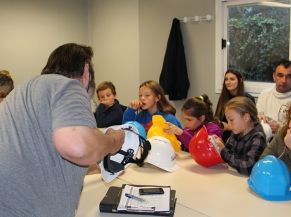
111,201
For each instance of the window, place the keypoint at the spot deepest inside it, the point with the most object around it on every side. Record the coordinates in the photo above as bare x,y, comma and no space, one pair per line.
252,35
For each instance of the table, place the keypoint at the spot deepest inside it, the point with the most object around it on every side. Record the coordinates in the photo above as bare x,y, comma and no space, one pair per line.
95,189
212,192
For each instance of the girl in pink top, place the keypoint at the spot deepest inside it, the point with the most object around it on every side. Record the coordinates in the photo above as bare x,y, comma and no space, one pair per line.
196,112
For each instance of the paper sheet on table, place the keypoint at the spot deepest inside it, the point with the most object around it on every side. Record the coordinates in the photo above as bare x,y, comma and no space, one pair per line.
154,202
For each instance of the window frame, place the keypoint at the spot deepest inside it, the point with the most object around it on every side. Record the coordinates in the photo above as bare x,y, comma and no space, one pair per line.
252,87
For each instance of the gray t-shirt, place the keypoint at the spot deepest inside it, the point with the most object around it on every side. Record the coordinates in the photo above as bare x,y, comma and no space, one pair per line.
35,180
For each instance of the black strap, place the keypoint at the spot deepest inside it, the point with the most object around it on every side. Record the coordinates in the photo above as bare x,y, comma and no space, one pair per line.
112,166
144,146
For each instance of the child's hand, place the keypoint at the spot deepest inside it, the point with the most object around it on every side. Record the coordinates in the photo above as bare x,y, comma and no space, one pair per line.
218,142
135,104
274,125
106,102
262,117
287,139
173,129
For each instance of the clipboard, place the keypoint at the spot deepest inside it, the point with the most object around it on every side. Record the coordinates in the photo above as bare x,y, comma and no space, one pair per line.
111,200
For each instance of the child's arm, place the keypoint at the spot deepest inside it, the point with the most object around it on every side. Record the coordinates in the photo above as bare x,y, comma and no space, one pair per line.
129,115
243,162
135,104
173,129
185,138
183,135
172,119
131,112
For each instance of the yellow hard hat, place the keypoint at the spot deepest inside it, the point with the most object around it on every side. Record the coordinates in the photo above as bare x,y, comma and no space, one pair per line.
157,129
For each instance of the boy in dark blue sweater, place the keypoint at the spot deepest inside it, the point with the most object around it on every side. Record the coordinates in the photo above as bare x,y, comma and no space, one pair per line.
109,112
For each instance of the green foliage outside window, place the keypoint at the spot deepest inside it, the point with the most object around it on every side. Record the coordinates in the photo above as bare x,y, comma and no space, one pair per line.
258,38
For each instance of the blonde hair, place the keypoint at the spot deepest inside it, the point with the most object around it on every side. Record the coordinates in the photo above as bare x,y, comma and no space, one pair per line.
163,104
243,105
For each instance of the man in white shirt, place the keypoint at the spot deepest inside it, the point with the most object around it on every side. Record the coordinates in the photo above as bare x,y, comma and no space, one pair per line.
273,103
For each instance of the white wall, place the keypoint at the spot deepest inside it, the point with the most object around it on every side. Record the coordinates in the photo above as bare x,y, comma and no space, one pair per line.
115,40
129,39
155,22
31,29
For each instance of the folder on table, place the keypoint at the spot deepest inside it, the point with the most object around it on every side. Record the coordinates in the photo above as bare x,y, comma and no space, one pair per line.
114,197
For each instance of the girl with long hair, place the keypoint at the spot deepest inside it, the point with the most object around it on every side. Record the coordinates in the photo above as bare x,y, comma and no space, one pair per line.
152,101
233,85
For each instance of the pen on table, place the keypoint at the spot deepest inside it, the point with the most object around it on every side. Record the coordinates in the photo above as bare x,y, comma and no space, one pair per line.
134,197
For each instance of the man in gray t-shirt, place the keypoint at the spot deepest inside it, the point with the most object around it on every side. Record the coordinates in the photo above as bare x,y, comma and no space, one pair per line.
48,137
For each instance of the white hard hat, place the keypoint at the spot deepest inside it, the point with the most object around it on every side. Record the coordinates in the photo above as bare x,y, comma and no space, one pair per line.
162,154
267,130
134,144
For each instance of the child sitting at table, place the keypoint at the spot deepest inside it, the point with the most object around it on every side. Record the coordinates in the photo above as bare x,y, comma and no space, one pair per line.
196,112
152,101
109,112
247,140
280,145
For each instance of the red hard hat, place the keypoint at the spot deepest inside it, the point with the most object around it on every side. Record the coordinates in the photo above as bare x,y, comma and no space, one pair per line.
203,151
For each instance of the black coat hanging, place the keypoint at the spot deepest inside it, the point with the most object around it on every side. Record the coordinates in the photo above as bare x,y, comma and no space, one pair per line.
174,77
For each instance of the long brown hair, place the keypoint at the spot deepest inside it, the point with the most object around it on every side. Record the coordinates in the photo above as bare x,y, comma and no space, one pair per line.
225,94
163,104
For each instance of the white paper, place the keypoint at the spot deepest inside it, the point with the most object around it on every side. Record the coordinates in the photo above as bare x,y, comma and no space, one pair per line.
154,202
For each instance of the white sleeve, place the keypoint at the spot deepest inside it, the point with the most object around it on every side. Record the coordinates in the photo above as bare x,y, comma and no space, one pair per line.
261,103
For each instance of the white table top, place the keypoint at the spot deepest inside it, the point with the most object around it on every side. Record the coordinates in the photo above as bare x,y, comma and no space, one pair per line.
95,189
200,192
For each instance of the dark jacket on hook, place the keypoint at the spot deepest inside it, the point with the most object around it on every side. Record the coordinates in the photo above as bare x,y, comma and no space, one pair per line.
174,76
